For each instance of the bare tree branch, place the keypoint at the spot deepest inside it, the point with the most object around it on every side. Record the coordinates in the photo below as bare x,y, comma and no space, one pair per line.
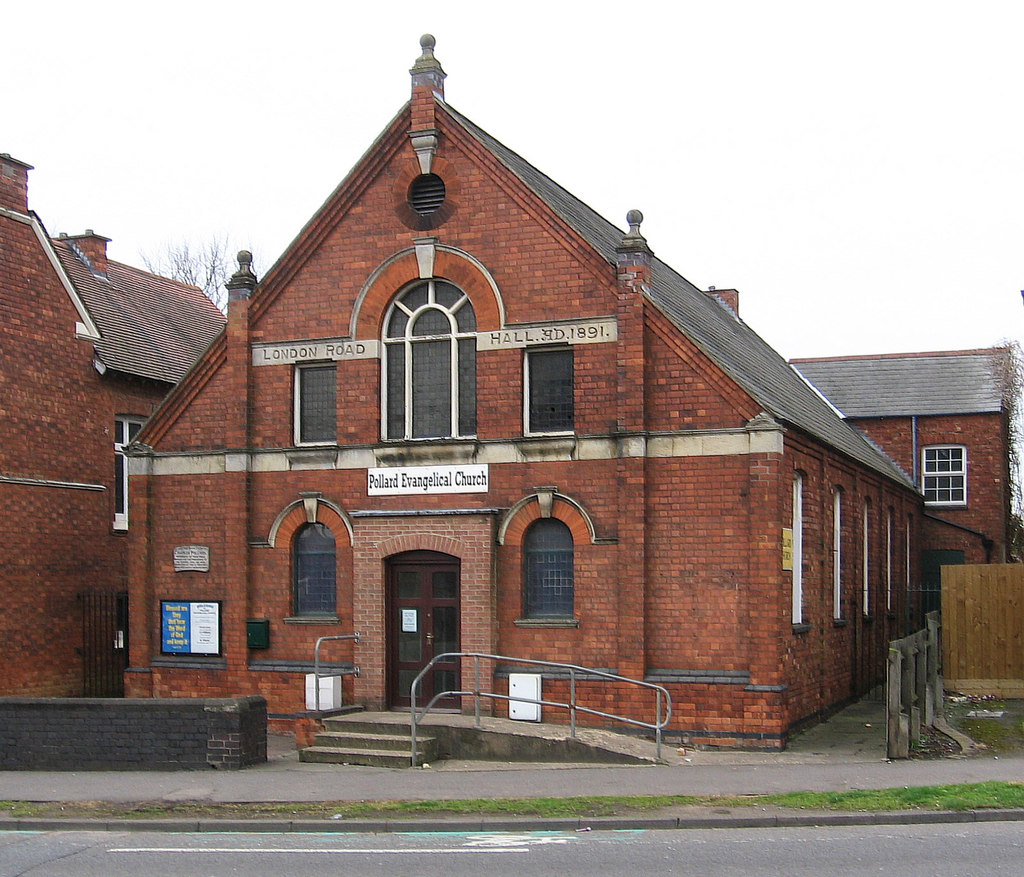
207,265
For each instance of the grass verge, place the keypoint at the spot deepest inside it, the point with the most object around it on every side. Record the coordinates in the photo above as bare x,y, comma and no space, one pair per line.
970,796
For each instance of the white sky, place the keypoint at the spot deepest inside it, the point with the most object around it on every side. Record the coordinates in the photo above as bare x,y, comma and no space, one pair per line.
854,169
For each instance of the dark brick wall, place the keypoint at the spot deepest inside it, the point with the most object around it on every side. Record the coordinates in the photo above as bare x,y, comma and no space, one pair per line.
144,734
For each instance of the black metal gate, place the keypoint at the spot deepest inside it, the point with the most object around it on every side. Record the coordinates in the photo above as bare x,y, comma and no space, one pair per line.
104,642
927,597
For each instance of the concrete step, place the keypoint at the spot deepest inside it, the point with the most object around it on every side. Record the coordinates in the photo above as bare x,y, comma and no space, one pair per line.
366,757
399,724
369,743
392,742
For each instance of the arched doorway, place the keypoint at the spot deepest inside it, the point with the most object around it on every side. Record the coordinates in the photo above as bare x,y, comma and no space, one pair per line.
423,621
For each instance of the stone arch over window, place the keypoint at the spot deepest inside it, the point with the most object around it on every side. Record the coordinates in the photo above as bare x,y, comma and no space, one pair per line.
308,509
429,363
546,503
427,260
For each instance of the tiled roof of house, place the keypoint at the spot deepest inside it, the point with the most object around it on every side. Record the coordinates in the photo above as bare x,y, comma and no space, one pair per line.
150,326
717,331
894,385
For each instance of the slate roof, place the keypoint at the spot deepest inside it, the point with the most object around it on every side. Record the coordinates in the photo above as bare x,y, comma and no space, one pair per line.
894,385
150,326
716,330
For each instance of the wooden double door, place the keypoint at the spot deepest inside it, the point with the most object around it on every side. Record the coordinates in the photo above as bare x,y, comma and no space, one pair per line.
423,621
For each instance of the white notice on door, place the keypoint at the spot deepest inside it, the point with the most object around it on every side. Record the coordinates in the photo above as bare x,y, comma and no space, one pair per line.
409,621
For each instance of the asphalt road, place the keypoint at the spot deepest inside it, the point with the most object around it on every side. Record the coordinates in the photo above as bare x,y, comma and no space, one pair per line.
897,851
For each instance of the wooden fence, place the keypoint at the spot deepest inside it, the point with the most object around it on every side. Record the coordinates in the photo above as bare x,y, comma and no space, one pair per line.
913,690
983,629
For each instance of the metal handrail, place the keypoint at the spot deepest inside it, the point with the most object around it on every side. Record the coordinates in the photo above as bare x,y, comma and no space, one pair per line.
572,705
316,664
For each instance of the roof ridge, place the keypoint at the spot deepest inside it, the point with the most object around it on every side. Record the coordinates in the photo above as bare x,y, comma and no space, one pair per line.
915,355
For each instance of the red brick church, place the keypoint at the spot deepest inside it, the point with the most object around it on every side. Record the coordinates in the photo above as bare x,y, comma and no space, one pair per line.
463,412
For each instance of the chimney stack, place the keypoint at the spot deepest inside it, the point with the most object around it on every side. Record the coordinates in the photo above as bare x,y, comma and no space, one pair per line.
729,297
13,183
91,248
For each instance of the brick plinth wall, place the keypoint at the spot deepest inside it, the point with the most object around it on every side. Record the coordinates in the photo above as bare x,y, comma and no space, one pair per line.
129,734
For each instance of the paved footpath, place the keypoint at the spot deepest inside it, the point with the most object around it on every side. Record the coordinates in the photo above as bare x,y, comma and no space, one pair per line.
846,752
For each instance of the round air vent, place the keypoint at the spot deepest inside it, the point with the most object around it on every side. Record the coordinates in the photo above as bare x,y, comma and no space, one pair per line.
426,194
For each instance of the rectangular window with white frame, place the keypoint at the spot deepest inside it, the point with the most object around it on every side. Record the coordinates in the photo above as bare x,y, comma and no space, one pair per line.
888,561
125,430
548,399
798,548
944,475
316,407
837,554
866,567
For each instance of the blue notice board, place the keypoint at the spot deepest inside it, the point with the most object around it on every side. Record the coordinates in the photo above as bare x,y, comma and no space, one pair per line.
189,628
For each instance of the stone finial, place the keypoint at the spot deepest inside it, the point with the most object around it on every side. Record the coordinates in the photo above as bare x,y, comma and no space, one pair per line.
632,240
426,60
633,256
242,283
427,71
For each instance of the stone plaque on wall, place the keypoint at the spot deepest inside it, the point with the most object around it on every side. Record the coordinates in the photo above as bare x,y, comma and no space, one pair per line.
192,558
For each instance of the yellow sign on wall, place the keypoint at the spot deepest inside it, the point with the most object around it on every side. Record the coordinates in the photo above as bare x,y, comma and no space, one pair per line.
787,548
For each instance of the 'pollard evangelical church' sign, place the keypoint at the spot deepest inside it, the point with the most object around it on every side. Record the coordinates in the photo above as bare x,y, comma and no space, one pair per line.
405,480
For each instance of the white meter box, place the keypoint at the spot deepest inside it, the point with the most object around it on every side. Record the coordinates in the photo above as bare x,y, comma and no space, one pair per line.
524,685
330,692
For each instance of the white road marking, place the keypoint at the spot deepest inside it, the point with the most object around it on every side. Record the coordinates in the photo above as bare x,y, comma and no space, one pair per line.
304,851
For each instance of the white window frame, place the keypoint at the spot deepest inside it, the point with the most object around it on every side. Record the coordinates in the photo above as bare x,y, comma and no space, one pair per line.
453,337
866,547
123,436
297,413
888,560
837,554
927,473
798,548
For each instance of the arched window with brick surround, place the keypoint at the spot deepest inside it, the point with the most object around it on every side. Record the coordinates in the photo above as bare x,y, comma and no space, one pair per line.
315,571
429,364
548,579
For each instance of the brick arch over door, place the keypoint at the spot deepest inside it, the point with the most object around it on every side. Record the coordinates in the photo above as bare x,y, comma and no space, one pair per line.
546,505
420,542
451,264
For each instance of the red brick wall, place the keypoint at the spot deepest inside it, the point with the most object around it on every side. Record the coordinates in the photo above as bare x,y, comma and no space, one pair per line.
988,489
56,424
678,561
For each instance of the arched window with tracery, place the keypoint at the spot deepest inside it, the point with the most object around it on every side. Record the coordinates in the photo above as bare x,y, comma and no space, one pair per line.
430,363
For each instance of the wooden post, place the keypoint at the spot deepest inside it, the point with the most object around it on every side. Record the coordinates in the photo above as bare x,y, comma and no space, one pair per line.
898,743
